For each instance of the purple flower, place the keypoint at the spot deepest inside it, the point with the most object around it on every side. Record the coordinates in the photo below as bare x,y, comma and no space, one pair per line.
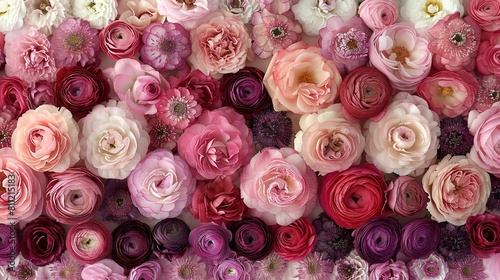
494,199
471,267
132,244
433,268
166,46
252,238
148,270
24,270
9,243
42,92
170,237
272,129
8,123
272,267
377,241
454,243
233,268
186,267
455,138
117,205
210,241
314,267
334,240
420,237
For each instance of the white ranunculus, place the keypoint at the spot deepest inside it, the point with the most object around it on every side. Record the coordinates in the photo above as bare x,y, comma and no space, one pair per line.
433,267
46,15
358,268
12,13
424,13
405,139
98,12
241,8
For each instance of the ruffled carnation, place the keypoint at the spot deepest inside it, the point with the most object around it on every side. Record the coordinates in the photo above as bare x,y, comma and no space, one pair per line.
188,13
406,196
377,14
89,242
425,14
98,12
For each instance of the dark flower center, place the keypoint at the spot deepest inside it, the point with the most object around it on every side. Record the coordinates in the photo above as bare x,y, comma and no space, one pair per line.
167,45
458,38
120,201
74,41
180,109
488,234
467,271
3,136
43,5
277,32
494,95
236,4
454,139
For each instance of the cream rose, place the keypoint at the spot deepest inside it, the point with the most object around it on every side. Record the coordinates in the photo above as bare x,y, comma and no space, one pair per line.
12,13
139,13
98,12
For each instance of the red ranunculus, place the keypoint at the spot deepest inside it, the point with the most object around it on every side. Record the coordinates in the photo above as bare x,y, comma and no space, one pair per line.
484,234
295,241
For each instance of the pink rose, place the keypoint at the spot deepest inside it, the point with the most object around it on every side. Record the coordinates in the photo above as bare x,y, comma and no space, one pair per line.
139,85
406,196
378,14
26,186
278,186
14,95
486,13
488,58
89,242
218,143
46,139
161,185
139,13
485,127
221,44
188,13
120,40
389,270
106,269
299,79
448,93
73,196
457,189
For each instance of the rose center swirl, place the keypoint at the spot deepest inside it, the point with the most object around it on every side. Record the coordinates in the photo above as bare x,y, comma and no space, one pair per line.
402,138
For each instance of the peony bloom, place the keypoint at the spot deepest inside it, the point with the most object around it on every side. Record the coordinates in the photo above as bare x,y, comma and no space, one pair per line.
139,13
210,242
486,13
328,142
148,270
271,129
186,12
132,244
119,40
113,140
457,189
389,270
220,44
28,55
42,92
242,8
186,267
178,108
272,267
98,12
170,237
377,241
450,94
454,43
46,15
203,87
161,185
425,14
300,80
278,186
295,241
483,231
406,196
106,269
73,196
89,242
314,14
252,238
405,139
432,268
488,58
46,139
401,54
138,85
219,143
377,14
234,267
350,268
12,15
420,237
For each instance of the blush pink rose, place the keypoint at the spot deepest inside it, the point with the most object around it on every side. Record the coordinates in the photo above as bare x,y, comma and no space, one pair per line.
486,13
46,139
378,14
28,189
406,196
457,189
139,13
188,13
220,45
299,79
448,93
119,39
89,242
218,143
278,186
488,57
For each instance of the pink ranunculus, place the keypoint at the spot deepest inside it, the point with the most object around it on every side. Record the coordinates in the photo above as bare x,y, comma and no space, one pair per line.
378,14
406,196
484,234
389,270
89,242
218,143
485,127
448,93
161,185
106,269
139,13
457,189
278,186
46,139
119,39
188,13
139,85
73,196
14,95
295,241
26,185
486,13
220,44
488,58
401,54
299,79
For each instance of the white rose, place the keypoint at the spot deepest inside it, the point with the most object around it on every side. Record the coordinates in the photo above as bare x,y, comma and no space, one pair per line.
424,14
46,15
242,8
418,268
12,13
358,268
98,12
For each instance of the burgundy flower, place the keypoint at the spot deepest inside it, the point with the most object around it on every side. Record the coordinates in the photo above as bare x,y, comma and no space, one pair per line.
170,237
378,240
205,88
14,95
252,238
42,92
484,234
132,244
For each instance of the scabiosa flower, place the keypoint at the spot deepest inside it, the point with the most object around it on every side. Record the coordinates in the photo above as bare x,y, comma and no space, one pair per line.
65,269
117,205
488,93
73,42
455,43
178,108
455,138
272,129
8,123
493,203
471,267
272,267
313,267
272,33
166,46
24,270
186,267
162,136
334,240
454,243
45,15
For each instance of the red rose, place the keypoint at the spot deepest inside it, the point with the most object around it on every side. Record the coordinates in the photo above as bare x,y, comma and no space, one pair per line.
13,94
354,196
484,234
295,241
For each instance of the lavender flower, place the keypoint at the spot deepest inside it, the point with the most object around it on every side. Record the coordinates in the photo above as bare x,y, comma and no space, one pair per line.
210,241
470,267
117,205
186,267
377,241
420,238
334,240
313,267
252,238
454,243
272,267
170,237
272,129
455,138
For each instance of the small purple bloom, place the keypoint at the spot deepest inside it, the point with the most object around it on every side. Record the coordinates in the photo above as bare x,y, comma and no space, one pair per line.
378,240
455,138
454,243
494,199
210,241
117,205
272,129
252,238
170,237
420,238
333,240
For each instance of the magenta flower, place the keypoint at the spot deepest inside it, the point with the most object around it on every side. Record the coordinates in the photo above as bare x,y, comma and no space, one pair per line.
75,41
178,108
166,46
272,33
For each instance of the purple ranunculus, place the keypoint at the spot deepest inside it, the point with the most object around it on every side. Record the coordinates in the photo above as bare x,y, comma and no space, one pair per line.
420,237
252,238
244,91
233,268
170,237
148,270
42,92
132,244
210,241
9,243
377,241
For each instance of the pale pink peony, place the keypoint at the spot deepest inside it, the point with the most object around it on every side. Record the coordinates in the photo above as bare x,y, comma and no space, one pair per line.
220,44
161,185
188,13
139,13
46,139
278,186
457,189
378,14
405,139
106,269
299,79
28,189
328,142
401,54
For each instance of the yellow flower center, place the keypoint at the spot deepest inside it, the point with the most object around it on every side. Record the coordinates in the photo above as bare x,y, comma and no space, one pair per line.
432,7
445,91
352,44
401,54
306,78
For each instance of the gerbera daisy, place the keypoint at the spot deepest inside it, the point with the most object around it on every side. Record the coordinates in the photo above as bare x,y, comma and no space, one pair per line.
178,108
7,125
313,267
471,267
187,267
162,135
117,205
75,41
335,241
66,269
272,129
272,267
455,138
488,93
